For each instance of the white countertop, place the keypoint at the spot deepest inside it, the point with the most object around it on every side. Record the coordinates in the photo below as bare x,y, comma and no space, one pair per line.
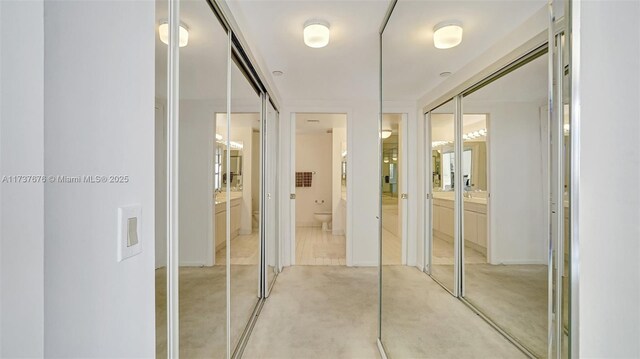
476,197
222,197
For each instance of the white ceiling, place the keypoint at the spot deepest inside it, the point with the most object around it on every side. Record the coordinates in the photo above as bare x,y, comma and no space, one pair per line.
203,62
347,69
412,65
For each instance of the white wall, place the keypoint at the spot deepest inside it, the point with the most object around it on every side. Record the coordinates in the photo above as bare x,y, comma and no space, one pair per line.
21,204
314,154
196,149
99,108
517,175
609,203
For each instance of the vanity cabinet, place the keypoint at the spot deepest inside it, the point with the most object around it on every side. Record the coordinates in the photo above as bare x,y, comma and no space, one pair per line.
475,222
221,222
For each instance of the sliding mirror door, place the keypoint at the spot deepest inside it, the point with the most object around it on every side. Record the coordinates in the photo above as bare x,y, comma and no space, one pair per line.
242,178
201,281
506,234
443,246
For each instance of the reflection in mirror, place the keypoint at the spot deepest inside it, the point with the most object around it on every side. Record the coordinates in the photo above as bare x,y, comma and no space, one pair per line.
242,202
391,188
202,281
506,240
442,129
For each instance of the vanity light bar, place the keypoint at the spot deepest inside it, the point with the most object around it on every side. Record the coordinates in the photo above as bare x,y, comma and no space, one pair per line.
468,136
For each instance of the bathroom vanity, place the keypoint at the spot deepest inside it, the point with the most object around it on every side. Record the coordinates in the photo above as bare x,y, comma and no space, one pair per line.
475,219
220,217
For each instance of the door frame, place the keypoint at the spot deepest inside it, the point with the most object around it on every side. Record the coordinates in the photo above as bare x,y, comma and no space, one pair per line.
292,178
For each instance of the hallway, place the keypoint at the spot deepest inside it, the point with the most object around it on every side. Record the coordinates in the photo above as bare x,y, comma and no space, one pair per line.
331,312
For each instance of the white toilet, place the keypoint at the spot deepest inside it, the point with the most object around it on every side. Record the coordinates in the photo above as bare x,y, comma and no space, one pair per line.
325,218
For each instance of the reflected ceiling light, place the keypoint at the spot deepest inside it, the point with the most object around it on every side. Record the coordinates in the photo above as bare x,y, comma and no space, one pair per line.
447,34
316,33
163,31
386,133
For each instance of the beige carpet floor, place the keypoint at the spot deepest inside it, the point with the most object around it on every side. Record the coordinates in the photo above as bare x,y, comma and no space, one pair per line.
422,320
202,309
331,312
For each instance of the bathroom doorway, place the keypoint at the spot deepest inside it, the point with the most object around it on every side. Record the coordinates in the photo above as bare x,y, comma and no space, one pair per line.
319,170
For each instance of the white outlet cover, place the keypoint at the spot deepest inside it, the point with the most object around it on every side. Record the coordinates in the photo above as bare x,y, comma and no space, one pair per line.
129,240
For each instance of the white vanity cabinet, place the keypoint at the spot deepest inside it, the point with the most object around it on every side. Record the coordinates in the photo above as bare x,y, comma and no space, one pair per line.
475,220
221,221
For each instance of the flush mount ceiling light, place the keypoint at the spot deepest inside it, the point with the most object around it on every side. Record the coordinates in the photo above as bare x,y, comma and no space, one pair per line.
445,74
277,73
163,31
316,33
447,34
385,133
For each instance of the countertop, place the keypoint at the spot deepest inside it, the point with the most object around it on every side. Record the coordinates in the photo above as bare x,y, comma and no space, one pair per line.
222,197
479,198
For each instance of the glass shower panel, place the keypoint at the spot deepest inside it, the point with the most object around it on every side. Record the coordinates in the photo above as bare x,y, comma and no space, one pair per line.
443,166
506,272
272,199
202,280
242,178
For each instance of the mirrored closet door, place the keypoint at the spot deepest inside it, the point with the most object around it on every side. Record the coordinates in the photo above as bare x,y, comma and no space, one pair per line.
212,191
497,182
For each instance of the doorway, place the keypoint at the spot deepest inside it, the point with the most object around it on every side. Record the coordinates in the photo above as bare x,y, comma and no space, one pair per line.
320,178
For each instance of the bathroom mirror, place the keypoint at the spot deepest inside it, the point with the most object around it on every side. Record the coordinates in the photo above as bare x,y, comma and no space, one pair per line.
235,168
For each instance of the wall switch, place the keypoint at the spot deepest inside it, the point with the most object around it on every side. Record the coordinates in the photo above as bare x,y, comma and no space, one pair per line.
129,232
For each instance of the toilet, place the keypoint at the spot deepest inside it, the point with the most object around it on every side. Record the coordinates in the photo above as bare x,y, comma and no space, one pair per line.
325,218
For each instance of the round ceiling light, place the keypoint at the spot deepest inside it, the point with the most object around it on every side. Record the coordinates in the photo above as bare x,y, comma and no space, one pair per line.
316,33
447,34
163,31
386,133
445,74
277,73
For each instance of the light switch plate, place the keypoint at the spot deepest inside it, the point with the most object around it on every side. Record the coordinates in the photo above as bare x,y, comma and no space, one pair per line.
129,225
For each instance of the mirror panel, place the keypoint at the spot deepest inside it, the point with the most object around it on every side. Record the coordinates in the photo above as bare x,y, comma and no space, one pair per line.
201,279
243,199
506,234
443,248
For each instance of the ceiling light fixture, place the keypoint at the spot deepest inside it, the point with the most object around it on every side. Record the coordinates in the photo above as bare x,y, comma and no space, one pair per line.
278,73
163,31
386,134
447,34
445,74
316,33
